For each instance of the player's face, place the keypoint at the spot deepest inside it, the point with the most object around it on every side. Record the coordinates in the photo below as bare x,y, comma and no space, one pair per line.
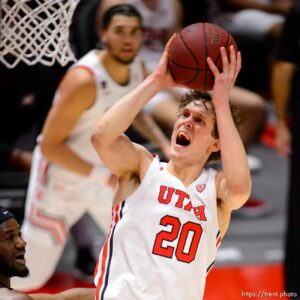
12,250
123,38
192,135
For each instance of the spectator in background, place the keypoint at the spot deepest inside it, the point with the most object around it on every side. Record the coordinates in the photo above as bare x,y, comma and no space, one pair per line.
25,98
256,25
286,94
67,179
256,19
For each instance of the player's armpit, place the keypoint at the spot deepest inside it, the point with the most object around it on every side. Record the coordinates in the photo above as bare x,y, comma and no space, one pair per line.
224,215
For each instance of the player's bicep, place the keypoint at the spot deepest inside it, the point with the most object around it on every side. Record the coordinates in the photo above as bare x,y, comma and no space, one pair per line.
75,94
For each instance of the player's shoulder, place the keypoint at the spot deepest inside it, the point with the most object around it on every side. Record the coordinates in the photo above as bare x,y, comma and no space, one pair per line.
83,71
143,151
80,74
77,79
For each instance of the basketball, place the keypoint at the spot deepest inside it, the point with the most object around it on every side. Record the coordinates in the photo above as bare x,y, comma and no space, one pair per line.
189,50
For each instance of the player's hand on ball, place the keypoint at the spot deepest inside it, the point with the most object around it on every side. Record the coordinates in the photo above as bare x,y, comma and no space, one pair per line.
225,80
162,72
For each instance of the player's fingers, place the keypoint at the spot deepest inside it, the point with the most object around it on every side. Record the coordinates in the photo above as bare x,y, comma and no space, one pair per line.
170,41
238,62
225,61
237,67
233,62
163,62
212,67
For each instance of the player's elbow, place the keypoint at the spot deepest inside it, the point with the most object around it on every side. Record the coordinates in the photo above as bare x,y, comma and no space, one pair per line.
99,138
95,138
47,149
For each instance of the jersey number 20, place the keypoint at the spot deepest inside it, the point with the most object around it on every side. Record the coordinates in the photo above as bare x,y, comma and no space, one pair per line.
187,236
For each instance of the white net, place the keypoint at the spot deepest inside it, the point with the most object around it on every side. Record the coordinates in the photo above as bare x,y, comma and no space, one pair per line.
36,31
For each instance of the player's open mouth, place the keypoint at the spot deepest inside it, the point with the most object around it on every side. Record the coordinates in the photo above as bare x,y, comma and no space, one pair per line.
182,139
20,258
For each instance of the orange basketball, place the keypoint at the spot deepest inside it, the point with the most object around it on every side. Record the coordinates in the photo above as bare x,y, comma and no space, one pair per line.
189,50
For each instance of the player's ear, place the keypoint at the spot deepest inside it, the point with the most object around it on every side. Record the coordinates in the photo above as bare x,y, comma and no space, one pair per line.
215,145
102,35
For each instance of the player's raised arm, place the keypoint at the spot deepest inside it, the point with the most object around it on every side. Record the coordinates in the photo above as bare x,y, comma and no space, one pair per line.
234,183
117,152
72,294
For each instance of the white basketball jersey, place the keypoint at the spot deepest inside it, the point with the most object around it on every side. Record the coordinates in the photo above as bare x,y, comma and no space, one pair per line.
108,92
163,239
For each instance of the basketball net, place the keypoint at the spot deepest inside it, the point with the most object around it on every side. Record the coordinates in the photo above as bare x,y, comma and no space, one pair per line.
35,31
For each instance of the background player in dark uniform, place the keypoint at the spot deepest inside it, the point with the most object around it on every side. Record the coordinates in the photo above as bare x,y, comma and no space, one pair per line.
13,263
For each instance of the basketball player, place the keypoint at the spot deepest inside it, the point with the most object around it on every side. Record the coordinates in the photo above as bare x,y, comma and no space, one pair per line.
67,179
169,218
160,20
12,263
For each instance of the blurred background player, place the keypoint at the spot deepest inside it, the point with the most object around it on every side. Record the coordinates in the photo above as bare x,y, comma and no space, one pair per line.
67,179
286,93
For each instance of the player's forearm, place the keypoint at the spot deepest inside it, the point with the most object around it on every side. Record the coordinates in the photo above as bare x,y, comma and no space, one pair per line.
234,158
121,115
72,294
63,156
282,75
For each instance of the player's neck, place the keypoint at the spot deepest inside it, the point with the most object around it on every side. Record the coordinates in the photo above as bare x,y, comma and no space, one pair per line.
150,4
117,71
187,174
4,281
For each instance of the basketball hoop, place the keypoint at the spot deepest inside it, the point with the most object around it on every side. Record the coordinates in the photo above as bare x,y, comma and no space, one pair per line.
36,31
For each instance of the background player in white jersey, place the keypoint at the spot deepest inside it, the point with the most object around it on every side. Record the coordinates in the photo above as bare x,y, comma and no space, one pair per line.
67,178
165,233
